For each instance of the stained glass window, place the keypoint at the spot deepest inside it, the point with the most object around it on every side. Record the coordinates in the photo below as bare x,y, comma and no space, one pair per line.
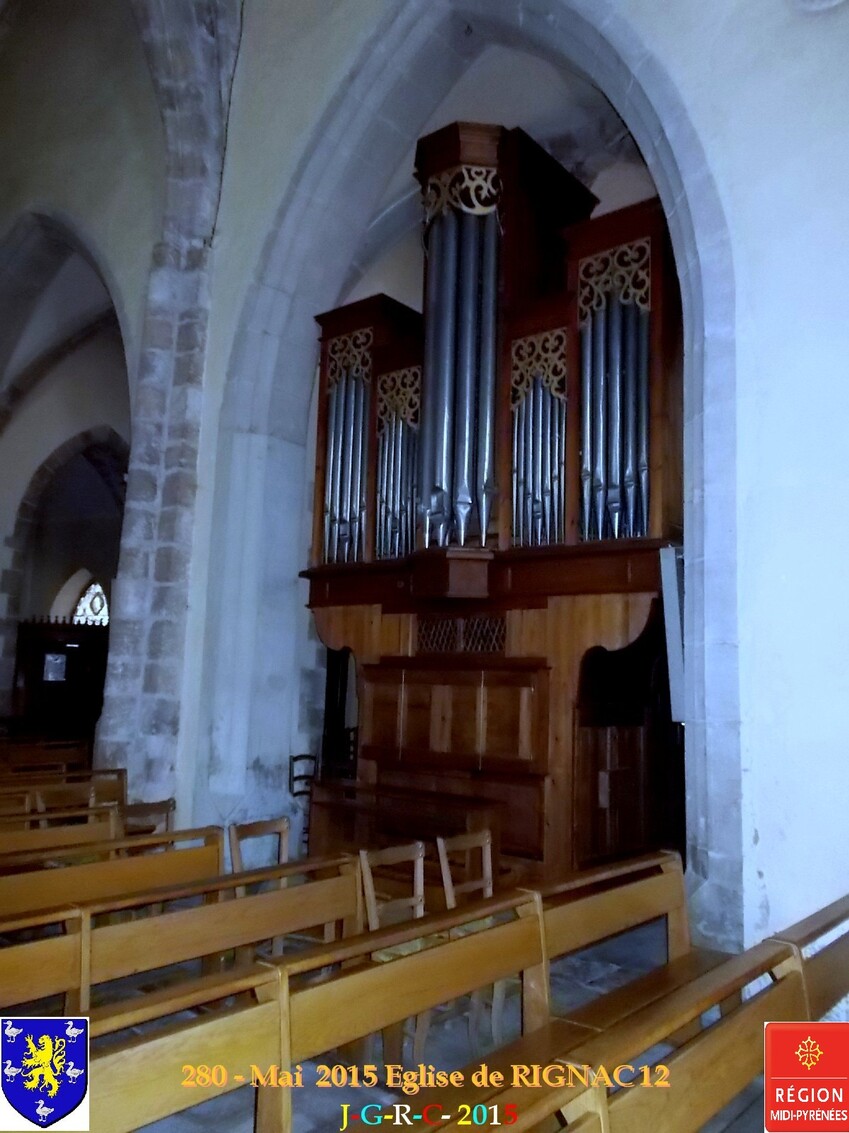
92,609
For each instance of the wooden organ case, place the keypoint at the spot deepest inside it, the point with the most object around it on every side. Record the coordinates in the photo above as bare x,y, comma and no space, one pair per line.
494,480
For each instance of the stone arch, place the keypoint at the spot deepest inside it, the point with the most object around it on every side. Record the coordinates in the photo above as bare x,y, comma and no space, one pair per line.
102,438
33,251
414,56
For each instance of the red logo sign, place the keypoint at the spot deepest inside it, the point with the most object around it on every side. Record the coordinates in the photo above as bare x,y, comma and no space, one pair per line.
806,1077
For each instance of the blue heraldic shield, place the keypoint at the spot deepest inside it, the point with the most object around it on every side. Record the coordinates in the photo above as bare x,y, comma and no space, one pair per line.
45,1067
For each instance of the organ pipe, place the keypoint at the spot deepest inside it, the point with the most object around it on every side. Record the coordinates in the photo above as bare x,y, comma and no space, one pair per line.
456,461
614,305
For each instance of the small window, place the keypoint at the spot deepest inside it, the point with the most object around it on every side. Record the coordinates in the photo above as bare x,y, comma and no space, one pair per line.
92,609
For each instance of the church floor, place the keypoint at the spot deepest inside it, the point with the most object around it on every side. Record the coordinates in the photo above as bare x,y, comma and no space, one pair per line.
574,980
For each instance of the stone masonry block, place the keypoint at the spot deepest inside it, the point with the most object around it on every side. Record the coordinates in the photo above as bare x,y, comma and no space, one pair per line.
164,640
172,565
179,489
160,715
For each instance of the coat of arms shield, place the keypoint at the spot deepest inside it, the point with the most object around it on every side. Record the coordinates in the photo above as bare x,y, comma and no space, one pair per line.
44,1068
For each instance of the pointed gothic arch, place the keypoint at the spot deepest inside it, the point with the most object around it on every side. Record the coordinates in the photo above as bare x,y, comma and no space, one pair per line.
412,59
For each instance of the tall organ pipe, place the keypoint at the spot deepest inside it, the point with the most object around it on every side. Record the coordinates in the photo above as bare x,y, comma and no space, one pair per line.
519,517
467,356
398,428
630,412
446,309
345,456
587,426
643,417
427,427
539,396
546,447
336,508
485,479
614,407
356,459
561,470
328,470
599,409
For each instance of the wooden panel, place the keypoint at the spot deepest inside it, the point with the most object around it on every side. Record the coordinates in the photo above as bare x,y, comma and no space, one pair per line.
573,925
44,889
416,728
466,710
365,1000
504,722
141,1081
709,1072
38,968
170,938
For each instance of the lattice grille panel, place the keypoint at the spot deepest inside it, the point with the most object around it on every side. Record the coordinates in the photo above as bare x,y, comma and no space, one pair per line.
486,633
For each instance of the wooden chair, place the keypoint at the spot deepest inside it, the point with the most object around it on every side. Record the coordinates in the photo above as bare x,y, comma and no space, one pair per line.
149,818
385,907
240,832
474,848
302,772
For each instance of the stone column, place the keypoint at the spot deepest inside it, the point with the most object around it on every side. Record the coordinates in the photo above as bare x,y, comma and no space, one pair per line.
191,48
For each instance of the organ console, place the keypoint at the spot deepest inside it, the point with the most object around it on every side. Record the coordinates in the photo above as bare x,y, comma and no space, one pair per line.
494,479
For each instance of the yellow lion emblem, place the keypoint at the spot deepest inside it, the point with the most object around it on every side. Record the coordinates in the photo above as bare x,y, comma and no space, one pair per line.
46,1061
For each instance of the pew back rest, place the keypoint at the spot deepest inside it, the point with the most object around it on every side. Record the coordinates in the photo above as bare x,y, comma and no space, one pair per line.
368,997
50,965
33,889
141,1080
217,925
597,904
824,961
102,824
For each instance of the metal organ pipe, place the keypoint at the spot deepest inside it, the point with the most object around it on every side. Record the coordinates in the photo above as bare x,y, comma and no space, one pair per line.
446,314
586,426
466,372
629,401
614,408
643,417
428,412
598,402
329,520
356,459
485,480
456,444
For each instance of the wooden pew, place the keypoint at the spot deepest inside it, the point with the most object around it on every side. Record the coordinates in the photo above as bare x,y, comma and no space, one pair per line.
704,1074
710,1063
826,972
53,964
364,996
32,754
67,789
597,904
140,1080
330,893
33,889
95,824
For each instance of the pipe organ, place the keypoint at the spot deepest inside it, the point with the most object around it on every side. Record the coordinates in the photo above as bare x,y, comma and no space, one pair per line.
494,479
